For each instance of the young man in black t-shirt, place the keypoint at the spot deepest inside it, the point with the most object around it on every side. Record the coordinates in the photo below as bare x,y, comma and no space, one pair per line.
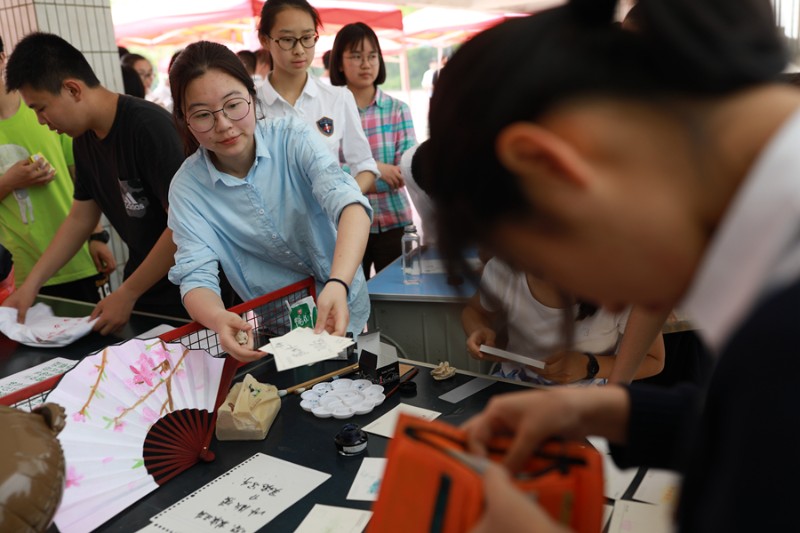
126,152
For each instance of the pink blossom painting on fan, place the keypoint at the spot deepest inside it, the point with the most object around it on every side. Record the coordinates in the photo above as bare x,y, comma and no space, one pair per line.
115,400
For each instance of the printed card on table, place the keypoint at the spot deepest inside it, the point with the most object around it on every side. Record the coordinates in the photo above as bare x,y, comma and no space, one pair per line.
36,374
616,481
659,487
385,425
367,483
636,517
329,519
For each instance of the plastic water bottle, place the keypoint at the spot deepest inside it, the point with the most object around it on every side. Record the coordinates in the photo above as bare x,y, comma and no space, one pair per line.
412,264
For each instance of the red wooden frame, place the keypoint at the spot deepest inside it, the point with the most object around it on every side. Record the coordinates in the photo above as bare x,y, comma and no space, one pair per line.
231,365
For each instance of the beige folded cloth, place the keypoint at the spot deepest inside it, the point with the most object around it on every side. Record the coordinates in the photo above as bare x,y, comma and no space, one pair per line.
248,411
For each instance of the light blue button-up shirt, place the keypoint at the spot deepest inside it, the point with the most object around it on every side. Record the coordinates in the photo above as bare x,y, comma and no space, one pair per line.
272,228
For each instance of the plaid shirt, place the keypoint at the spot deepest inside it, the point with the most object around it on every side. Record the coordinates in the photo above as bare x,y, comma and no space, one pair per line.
390,131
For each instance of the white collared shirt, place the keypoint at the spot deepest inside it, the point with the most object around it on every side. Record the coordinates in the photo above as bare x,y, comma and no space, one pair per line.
756,249
422,202
332,113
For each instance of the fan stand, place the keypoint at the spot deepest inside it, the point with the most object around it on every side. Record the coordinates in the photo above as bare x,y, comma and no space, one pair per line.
180,439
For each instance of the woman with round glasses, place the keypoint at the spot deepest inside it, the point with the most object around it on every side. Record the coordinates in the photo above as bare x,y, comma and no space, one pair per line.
288,30
357,63
262,199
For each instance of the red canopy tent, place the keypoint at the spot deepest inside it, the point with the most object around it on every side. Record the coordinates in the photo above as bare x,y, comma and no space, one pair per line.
340,12
134,22
233,22
438,26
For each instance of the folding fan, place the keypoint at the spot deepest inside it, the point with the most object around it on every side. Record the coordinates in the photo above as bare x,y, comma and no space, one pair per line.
138,414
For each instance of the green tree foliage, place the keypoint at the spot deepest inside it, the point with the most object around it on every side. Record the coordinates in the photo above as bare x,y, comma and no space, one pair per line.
419,59
418,62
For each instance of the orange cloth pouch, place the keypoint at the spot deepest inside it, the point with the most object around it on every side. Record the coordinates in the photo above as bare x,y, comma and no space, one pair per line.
432,484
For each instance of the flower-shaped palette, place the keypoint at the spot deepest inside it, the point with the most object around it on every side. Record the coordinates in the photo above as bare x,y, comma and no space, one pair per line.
342,398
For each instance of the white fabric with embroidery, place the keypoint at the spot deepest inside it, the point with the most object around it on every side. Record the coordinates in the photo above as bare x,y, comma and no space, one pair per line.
43,329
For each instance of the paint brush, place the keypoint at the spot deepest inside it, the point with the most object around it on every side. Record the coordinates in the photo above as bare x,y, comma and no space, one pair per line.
301,387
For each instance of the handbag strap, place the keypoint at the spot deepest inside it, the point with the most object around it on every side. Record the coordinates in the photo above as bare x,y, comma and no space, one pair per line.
561,462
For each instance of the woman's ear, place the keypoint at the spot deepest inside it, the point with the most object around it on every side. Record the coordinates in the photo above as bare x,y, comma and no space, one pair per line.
532,152
265,42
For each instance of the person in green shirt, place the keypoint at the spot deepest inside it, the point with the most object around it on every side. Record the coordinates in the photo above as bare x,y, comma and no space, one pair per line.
35,197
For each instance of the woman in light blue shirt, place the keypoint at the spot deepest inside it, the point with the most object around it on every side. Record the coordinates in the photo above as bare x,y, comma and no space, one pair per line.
265,200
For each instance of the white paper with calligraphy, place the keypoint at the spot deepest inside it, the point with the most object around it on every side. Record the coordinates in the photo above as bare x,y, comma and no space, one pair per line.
302,346
243,499
115,400
41,328
36,374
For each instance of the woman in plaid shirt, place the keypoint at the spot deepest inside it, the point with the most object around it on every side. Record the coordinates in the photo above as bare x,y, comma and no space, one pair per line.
357,62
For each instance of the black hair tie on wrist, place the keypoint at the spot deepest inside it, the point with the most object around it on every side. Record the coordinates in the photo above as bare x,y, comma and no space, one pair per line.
337,280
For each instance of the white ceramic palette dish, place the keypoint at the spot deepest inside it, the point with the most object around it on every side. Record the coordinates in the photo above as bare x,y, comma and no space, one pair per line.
342,398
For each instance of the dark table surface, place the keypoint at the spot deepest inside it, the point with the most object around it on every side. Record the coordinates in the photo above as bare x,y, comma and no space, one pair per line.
296,435
299,437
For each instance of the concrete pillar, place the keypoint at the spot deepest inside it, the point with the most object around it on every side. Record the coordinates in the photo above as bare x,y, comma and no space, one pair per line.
86,24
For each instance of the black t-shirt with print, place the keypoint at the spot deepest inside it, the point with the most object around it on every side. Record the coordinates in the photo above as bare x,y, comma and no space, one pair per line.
128,175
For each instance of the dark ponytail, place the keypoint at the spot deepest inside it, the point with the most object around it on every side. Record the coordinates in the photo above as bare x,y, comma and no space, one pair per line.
525,67
714,46
727,44
591,13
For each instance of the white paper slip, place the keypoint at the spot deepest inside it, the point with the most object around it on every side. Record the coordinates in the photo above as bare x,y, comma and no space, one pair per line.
616,481
384,426
329,519
302,346
367,483
36,374
511,356
608,510
635,517
600,444
466,390
659,487
244,498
